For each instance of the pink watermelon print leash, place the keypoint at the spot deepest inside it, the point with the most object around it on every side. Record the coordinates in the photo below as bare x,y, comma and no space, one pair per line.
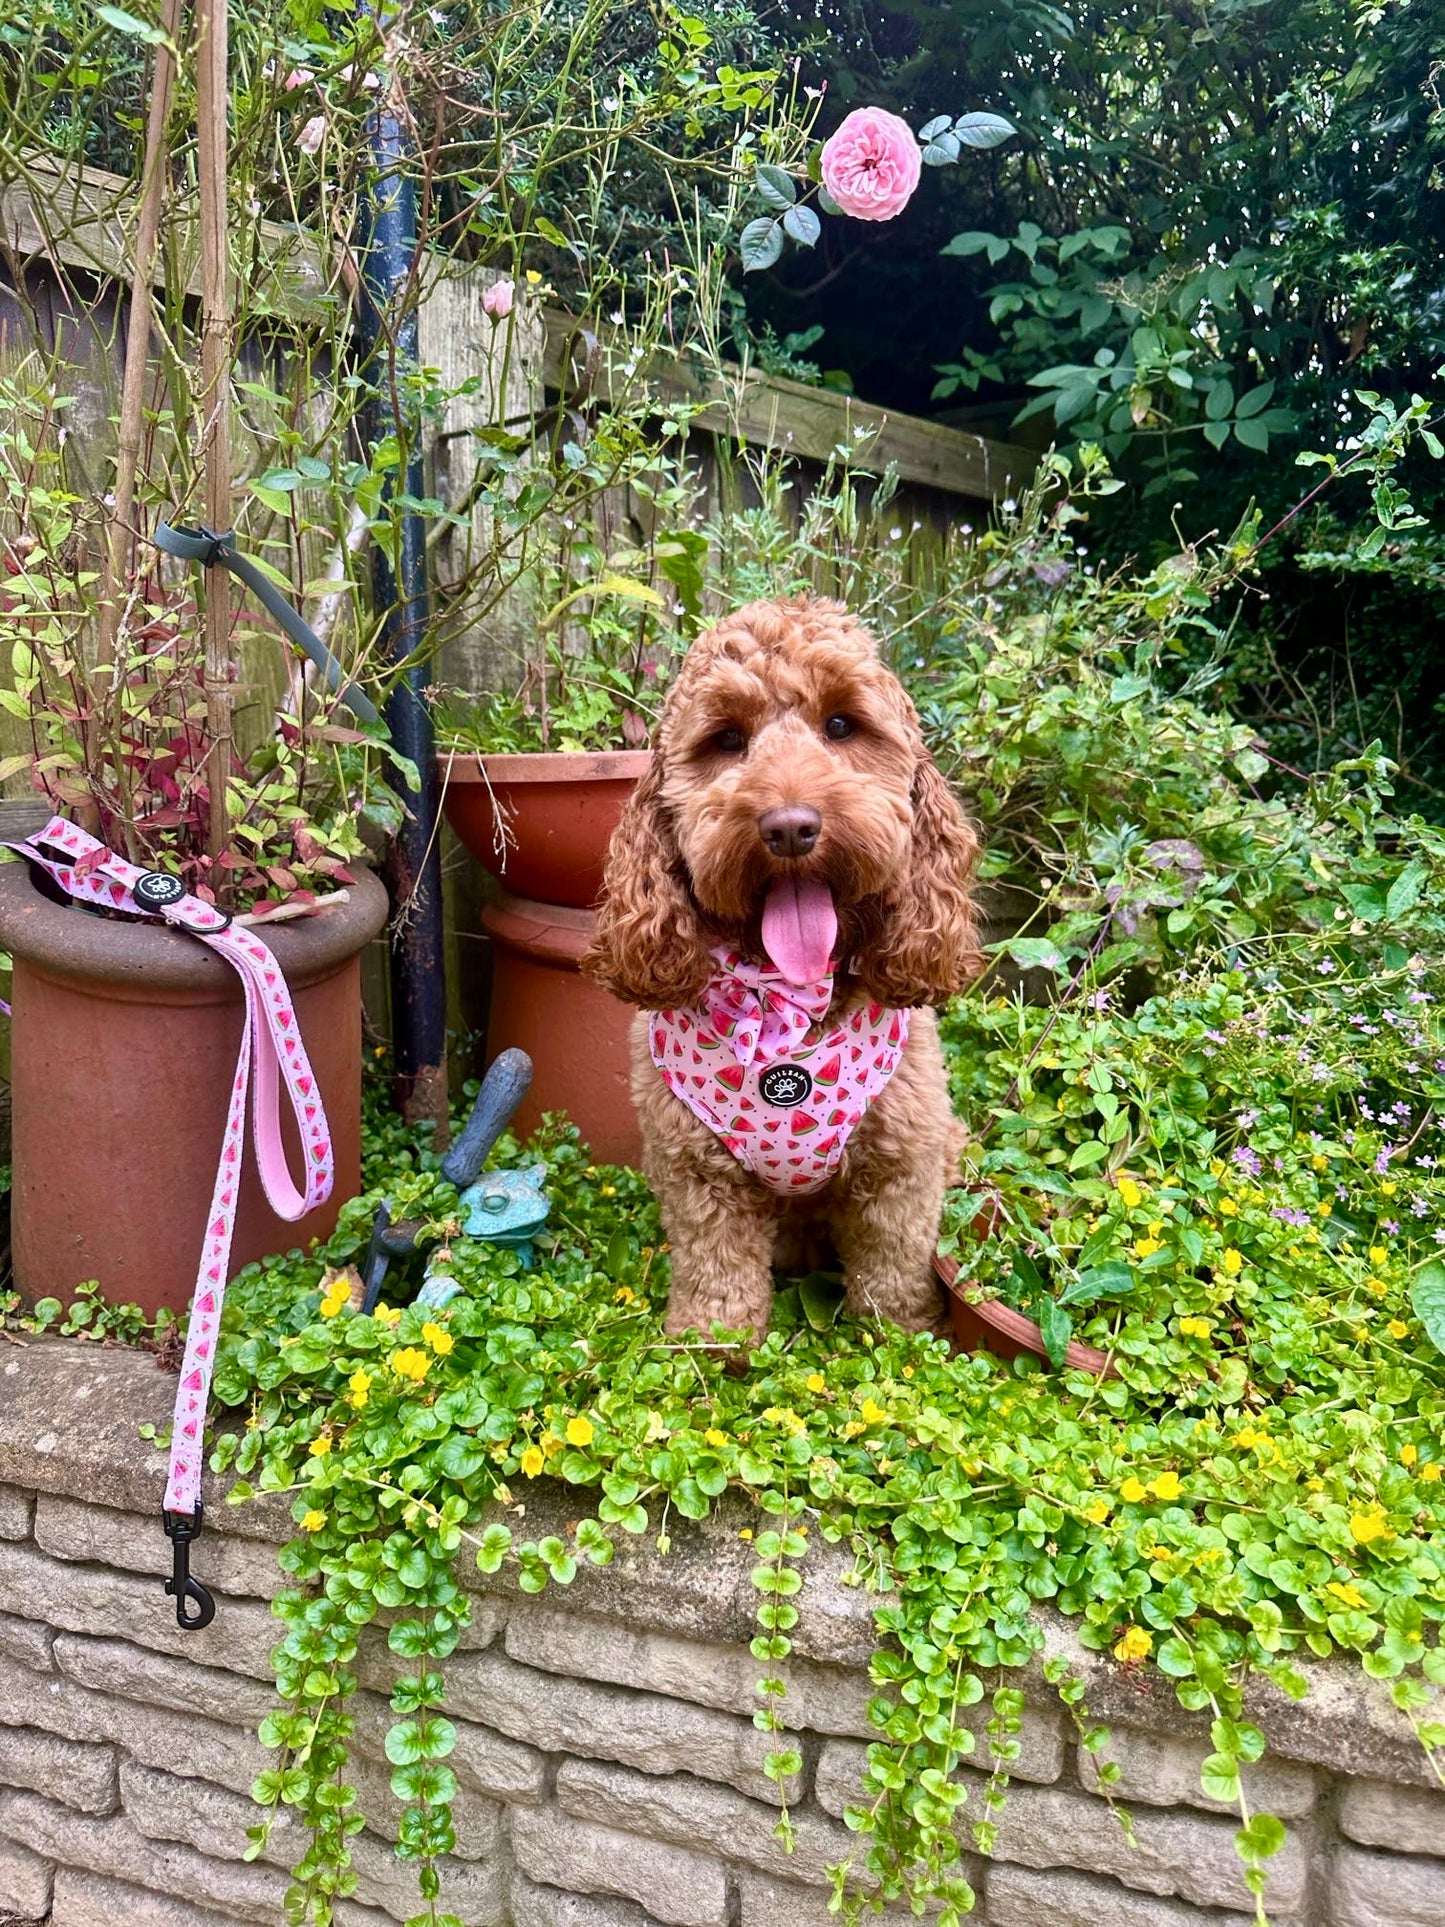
271,1044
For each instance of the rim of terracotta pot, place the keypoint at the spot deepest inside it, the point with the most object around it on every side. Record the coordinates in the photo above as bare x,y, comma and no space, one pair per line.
1013,1325
72,941
547,766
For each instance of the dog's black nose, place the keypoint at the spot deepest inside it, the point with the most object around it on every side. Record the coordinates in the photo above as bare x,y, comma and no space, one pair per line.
790,830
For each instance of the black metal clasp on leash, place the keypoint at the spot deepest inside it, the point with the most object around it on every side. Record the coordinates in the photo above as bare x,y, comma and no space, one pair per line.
182,1529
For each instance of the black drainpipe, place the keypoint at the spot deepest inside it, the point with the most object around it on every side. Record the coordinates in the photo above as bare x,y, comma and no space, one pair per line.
387,328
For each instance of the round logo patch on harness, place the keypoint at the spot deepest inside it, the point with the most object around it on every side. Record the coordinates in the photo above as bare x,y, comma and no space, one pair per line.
154,890
785,1085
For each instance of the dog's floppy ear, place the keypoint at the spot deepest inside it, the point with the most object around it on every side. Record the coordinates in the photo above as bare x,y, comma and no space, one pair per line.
649,948
928,948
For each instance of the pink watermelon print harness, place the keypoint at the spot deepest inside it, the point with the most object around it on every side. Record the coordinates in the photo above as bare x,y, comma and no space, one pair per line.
746,1063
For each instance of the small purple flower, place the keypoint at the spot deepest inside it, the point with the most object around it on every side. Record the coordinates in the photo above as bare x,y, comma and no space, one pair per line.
1400,1108
1420,1208
1420,997
1382,1159
1288,1215
1248,1119
1246,1159
1326,967
1342,1191
1439,1237
1099,1000
1392,1225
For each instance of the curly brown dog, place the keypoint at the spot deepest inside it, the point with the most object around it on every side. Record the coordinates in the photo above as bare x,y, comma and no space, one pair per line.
788,893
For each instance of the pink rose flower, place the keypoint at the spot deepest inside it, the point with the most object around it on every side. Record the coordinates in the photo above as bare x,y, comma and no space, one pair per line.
498,299
312,134
872,164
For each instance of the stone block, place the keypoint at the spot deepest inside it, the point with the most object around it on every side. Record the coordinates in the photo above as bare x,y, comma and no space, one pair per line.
91,1900
96,1600
691,1813
24,1882
17,1507
1017,1898
1163,1772
534,1906
1404,1819
764,1902
73,1529
679,1887
1188,1855
155,1679
1385,1890
485,1761
117,1848
153,1735
26,1642
822,1699
214,1822
566,1715
79,1776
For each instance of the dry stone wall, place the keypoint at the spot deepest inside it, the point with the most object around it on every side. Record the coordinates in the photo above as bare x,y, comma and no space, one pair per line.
610,1774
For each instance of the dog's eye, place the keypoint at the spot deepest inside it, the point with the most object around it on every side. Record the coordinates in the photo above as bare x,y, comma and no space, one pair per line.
730,740
839,728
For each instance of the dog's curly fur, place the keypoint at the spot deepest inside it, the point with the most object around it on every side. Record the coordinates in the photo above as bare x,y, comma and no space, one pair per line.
688,869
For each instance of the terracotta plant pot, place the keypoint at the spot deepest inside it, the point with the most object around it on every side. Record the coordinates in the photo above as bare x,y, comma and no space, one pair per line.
575,1034
560,809
990,1326
124,1045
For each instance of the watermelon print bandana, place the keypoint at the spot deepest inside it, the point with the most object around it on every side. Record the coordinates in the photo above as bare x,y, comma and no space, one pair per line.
748,1063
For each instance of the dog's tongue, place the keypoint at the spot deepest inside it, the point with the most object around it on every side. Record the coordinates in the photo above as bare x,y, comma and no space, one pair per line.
800,927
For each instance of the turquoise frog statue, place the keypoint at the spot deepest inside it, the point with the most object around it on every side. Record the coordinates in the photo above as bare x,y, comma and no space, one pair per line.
507,1208
502,1208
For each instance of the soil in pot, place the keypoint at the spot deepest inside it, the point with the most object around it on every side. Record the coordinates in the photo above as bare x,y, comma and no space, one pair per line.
124,1044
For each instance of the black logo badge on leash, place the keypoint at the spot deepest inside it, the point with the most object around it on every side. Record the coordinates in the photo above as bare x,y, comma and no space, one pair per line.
153,890
785,1085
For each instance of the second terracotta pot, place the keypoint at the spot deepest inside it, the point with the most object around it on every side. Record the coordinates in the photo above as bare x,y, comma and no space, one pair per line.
124,1046
541,823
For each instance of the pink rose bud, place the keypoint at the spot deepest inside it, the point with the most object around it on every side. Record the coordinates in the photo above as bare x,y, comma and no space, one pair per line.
312,134
499,298
871,164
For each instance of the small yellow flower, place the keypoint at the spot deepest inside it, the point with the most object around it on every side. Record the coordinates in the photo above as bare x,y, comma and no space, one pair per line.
551,1444
1409,1454
335,1301
908,1371
532,1461
873,1412
440,1341
1157,1226
360,1381
1135,1645
1133,1491
1431,1472
1096,1513
313,1520
1130,1192
580,1432
319,1447
1320,1161
609,1190
1196,1327
746,1535
1314,1485
1378,1256
1232,1260
714,1436
1166,1486
534,279
410,1363
1389,1187
1376,1286
387,1315
1157,1552
1324,1210
624,1294
1145,1247
816,1382
1366,1527
1350,1595
1227,1208
1397,1328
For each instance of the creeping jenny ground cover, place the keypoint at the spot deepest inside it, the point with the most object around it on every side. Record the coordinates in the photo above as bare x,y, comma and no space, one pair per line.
1234,1188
